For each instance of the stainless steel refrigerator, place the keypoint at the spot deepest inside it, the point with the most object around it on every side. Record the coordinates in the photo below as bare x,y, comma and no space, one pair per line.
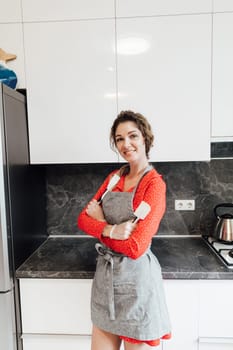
22,209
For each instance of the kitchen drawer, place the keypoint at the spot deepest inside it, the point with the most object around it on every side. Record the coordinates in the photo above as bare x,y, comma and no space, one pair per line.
215,343
56,306
56,342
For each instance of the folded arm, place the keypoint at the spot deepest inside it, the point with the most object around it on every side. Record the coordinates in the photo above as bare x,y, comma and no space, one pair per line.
140,238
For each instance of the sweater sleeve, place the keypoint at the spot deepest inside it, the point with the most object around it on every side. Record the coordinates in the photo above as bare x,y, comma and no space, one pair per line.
140,239
89,225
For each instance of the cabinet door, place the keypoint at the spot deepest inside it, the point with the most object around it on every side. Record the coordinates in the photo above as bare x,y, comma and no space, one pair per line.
70,72
182,301
216,304
222,107
129,8
7,323
164,73
66,9
55,306
222,5
56,342
11,39
215,344
10,12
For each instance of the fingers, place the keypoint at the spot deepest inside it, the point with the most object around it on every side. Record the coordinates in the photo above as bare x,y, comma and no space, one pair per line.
92,205
128,229
123,231
95,211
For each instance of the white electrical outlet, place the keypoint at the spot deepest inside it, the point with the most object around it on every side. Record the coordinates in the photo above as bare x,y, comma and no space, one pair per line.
184,204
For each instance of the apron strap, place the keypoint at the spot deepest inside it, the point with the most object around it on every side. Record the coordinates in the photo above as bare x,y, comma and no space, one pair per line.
148,168
108,257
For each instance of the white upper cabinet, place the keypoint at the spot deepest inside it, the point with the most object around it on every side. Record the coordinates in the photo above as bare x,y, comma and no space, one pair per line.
71,83
43,10
11,41
222,5
10,11
222,107
129,8
164,72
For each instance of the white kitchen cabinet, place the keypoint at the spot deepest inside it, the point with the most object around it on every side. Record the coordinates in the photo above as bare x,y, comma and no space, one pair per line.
222,5
55,306
56,342
131,8
11,41
71,83
215,344
216,305
56,314
64,10
77,82
182,301
10,12
215,319
222,107
164,72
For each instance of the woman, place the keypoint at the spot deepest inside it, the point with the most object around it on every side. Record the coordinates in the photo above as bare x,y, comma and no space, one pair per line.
127,293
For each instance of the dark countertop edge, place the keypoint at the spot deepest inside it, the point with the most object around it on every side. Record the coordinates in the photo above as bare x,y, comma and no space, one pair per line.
166,275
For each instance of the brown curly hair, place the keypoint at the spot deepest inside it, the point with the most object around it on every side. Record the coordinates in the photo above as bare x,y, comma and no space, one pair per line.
142,124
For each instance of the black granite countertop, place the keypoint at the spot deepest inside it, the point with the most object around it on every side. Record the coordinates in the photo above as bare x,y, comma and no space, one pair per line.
75,257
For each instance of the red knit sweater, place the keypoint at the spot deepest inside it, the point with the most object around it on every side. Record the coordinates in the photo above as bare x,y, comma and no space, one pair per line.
152,190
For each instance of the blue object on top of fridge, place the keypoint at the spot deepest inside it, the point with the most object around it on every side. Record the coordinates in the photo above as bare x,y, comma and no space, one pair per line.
7,76
22,209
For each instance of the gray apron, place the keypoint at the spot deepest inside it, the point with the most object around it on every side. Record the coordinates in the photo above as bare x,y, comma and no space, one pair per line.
127,295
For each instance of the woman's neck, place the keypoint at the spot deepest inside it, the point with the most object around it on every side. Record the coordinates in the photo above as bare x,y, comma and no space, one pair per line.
137,169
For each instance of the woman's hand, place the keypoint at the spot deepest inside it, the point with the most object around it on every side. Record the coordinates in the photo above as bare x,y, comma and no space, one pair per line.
95,211
119,232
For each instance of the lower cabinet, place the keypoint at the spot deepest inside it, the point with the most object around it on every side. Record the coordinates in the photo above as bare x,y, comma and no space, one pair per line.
56,314
56,342
55,306
215,315
182,302
215,344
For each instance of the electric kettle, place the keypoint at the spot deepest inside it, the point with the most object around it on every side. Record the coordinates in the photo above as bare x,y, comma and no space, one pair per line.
224,227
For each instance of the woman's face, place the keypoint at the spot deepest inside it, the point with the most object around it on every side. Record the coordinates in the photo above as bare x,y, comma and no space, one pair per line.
129,142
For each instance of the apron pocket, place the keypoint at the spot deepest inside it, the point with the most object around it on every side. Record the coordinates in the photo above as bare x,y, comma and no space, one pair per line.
131,304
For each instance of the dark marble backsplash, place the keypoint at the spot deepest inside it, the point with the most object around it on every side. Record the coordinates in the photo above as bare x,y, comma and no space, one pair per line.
70,187
221,149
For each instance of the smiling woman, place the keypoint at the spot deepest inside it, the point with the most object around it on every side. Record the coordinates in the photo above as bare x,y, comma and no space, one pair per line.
128,302
138,125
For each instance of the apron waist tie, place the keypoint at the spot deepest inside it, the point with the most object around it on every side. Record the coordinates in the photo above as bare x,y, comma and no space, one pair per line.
108,256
